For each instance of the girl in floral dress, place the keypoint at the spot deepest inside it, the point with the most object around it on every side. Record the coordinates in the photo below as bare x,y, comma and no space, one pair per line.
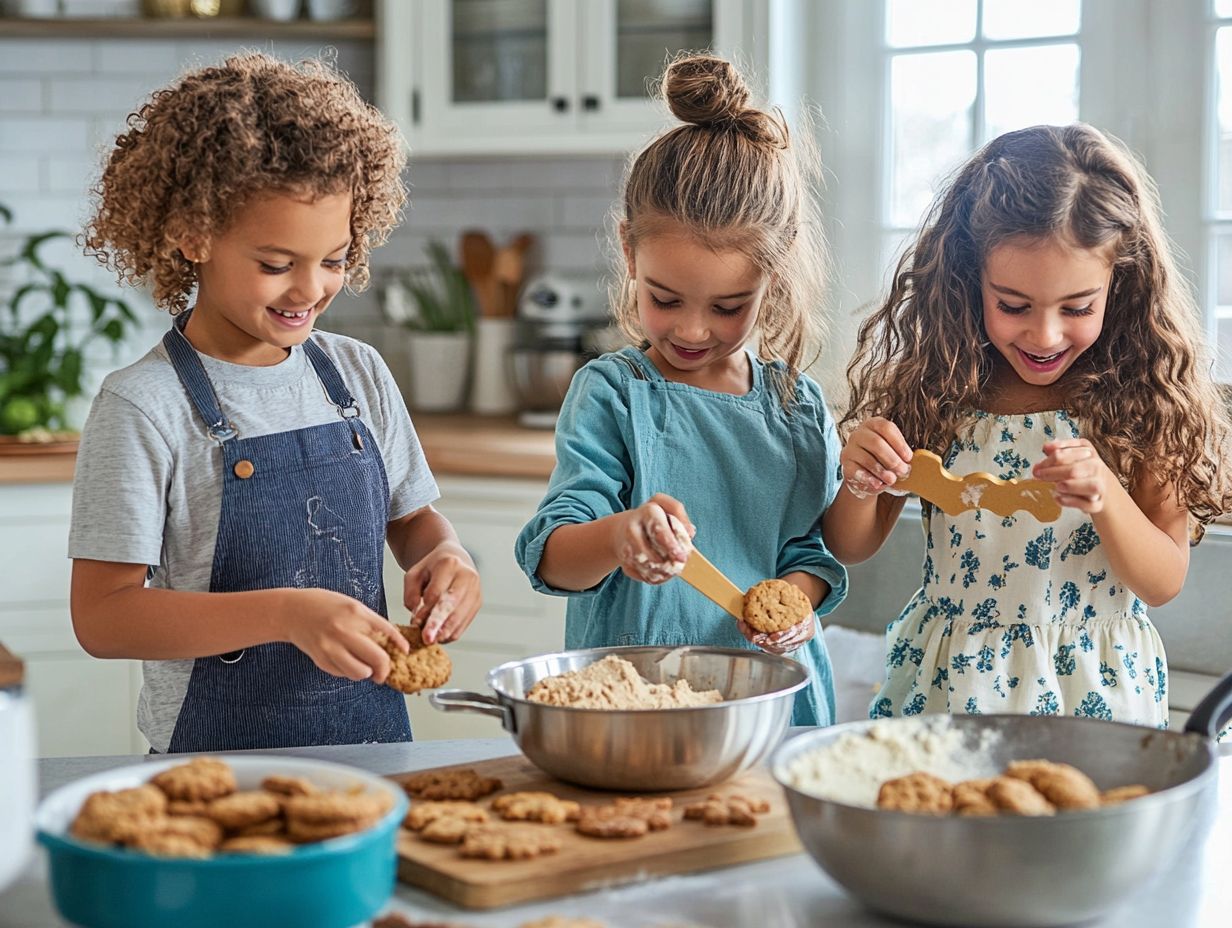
1038,328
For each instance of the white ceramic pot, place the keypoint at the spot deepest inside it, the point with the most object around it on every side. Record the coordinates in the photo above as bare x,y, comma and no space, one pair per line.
325,10
281,10
17,782
439,372
492,393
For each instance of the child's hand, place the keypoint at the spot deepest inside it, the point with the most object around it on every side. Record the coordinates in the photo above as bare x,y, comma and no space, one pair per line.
336,632
646,543
1081,477
789,639
875,456
442,592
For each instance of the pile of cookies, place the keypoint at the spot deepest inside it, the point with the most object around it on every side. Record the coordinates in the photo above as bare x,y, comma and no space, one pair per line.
1027,787
445,810
196,810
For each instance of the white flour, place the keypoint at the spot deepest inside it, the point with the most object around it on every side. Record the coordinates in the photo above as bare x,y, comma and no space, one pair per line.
852,768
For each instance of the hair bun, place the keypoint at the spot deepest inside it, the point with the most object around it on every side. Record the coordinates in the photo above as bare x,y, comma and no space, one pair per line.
708,91
704,90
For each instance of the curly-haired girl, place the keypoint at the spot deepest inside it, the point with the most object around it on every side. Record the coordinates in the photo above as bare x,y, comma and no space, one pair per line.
721,251
252,468
1038,327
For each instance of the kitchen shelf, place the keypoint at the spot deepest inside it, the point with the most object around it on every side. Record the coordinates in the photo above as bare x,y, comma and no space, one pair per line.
187,27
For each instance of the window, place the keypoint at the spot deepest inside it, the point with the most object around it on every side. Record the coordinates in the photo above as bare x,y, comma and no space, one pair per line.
1218,198
961,72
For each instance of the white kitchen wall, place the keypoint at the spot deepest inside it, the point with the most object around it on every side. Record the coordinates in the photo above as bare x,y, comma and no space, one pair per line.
62,102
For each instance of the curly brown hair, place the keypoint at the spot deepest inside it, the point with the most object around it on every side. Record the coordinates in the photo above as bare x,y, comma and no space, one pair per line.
1143,391
197,150
735,179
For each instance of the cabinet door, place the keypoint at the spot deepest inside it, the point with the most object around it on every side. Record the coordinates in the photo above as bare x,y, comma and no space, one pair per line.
495,70
627,44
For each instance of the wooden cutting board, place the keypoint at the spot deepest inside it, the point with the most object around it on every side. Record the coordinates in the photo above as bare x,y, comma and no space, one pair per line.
584,864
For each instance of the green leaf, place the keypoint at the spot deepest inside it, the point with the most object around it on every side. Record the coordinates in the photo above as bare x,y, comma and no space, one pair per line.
113,331
6,213
29,251
60,289
68,377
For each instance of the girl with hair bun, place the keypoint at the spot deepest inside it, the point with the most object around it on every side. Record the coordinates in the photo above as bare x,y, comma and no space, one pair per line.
705,427
1038,327
250,469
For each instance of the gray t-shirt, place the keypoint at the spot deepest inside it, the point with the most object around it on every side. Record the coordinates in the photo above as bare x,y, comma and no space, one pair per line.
149,479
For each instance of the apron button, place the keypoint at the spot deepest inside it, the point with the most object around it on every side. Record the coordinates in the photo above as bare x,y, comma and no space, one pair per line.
244,469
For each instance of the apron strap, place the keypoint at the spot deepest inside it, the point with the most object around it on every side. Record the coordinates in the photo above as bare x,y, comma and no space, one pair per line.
189,369
335,389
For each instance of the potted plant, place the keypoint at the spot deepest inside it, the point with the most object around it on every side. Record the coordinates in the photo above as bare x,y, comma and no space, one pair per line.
46,323
440,332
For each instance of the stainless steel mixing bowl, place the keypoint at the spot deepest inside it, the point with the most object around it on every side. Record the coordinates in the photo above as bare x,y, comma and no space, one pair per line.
646,749
1010,871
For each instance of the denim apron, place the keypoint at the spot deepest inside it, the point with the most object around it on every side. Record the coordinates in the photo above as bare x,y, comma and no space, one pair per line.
303,509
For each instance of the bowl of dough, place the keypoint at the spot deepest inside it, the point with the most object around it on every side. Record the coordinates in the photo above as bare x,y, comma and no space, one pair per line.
641,718
1000,821
246,841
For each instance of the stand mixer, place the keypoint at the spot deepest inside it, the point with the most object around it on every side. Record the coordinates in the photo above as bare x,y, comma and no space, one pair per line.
555,313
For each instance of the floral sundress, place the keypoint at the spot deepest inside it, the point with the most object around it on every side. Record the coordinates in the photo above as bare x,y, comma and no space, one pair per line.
1020,616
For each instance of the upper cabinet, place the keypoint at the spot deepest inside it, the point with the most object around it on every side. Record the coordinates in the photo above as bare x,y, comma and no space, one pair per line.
508,77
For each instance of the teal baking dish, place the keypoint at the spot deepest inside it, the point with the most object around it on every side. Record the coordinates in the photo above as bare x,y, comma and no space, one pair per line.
331,884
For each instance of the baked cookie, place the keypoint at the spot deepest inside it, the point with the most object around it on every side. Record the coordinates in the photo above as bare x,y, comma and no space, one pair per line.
445,830
111,817
1118,794
288,786
169,844
562,921
917,792
243,809
535,807
625,818
256,844
775,605
330,815
423,813
492,842
202,778
425,667
1063,786
733,809
458,783
971,798
1018,797
187,807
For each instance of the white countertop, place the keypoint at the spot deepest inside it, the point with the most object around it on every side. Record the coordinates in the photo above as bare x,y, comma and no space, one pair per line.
789,892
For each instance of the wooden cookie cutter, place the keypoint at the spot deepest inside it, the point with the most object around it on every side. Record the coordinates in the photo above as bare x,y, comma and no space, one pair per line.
931,481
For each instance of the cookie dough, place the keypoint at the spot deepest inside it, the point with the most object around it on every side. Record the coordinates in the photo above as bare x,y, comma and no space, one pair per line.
614,683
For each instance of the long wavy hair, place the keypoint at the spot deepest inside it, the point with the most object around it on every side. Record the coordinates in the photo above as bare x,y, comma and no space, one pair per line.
735,179
196,151
1143,391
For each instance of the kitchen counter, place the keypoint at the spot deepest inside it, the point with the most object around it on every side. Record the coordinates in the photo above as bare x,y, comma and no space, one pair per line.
789,892
462,444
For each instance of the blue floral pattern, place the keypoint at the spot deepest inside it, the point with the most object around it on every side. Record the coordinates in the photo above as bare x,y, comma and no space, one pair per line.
1015,616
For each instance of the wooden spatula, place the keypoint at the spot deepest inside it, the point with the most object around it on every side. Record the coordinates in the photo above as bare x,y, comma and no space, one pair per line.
931,481
708,580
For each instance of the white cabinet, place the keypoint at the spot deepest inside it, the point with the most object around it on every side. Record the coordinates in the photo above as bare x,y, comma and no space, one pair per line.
82,705
507,77
514,621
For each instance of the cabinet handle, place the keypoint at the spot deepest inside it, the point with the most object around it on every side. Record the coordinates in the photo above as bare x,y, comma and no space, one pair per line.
590,103
560,104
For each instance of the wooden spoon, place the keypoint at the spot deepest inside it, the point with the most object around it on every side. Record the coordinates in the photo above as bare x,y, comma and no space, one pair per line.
712,583
478,263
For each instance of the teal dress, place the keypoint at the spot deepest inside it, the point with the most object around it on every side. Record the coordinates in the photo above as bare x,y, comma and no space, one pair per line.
754,479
